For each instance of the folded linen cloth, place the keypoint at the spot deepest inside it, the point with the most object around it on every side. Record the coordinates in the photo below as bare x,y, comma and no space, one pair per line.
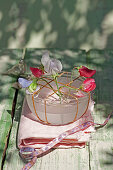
35,134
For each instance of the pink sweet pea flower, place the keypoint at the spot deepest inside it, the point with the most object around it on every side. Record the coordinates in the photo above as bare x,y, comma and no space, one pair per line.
36,72
85,72
88,85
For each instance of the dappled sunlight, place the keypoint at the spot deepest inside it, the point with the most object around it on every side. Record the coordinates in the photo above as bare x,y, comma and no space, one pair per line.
36,39
53,24
94,40
82,6
102,61
99,59
51,38
4,60
19,38
1,15
80,23
1,34
107,24
47,25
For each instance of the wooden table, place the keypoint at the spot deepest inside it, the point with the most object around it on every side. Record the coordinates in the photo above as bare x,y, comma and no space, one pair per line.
98,154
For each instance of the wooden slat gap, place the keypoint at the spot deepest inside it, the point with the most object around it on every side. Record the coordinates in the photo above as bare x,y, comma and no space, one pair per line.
89,155
8,136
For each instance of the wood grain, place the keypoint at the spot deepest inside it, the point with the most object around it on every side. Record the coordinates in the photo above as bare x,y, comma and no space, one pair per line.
101,144
8,58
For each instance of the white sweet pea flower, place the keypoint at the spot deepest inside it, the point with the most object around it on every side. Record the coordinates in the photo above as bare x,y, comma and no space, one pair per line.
45,58
51,66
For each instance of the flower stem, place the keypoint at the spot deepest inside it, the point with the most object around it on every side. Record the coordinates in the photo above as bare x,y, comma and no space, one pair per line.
60,94
49,85
70,83
69,88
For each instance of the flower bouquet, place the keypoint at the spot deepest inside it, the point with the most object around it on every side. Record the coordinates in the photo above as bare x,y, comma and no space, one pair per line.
56,97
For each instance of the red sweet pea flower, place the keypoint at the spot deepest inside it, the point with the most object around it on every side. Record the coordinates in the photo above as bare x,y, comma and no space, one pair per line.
85,72
88,85
36,72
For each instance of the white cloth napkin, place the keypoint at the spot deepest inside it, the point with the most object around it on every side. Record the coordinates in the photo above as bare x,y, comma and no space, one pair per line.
34,134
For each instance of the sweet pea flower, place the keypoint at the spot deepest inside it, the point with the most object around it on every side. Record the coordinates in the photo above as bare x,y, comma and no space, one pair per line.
89,85
85,72
51,66
36,72
24,83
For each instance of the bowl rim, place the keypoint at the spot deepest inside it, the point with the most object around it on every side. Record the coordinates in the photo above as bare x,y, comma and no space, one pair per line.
77,99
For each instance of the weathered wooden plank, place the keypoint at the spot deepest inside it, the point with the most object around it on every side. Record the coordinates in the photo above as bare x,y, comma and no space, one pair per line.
102,141
8,58
101,155
65,159
60,158
102,60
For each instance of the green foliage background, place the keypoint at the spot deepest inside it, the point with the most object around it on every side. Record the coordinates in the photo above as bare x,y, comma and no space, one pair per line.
74,24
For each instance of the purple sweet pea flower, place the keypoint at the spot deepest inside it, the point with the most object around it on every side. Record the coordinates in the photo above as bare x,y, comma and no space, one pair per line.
24,83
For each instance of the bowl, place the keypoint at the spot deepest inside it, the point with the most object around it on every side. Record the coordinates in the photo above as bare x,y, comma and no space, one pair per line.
48,108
